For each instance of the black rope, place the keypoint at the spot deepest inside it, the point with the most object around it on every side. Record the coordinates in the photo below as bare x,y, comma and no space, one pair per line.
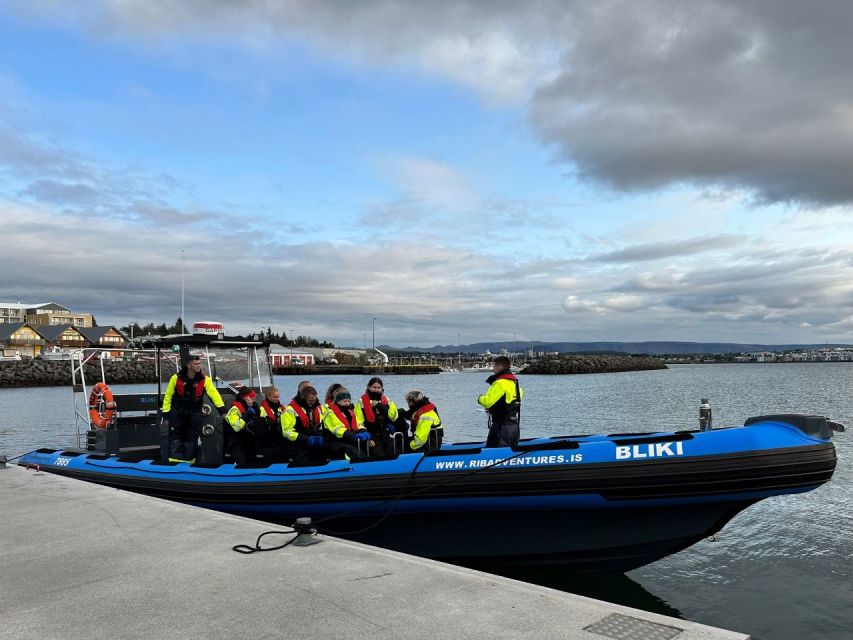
246,549
394,502
21,455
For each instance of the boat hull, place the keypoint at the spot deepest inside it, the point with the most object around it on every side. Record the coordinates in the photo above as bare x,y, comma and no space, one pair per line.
576,539
608,503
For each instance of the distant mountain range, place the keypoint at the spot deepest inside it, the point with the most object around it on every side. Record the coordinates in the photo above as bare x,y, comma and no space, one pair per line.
645,348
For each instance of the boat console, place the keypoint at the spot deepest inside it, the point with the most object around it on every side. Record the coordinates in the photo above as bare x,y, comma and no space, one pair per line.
129,424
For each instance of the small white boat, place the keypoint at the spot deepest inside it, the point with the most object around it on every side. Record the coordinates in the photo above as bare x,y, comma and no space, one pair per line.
478,368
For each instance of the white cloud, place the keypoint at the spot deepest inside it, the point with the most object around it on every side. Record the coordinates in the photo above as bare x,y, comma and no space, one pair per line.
432,183
624,303
492,63
566,282
574,304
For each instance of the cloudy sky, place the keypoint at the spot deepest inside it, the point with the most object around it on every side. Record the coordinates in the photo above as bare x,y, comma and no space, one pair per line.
553,170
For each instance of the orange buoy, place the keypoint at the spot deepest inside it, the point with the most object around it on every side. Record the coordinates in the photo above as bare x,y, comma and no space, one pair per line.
102,407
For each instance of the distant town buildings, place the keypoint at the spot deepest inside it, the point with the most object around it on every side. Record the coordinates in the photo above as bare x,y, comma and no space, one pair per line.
33,329
21,338
43,314
837,354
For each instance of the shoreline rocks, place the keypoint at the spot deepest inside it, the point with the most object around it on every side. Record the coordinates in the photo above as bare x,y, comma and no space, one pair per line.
578,364
356,369
53,373
57,373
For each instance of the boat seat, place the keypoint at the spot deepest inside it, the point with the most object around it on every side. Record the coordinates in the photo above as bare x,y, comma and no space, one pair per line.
681,436
815,426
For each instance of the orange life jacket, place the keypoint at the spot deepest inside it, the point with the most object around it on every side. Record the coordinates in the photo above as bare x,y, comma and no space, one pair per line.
303,416
369,415
352,425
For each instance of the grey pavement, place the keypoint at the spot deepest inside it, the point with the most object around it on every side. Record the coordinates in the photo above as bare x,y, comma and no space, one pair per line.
82,561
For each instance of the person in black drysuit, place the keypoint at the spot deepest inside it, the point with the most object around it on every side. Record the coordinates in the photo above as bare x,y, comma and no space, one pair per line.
182,410
270,443
380,417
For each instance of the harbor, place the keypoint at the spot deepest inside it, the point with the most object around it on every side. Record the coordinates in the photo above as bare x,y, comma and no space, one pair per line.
83,561
766,550
352,263
612,503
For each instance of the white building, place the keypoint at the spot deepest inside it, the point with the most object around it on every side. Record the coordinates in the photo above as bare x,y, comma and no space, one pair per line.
285,356
763,356
15,311
42,314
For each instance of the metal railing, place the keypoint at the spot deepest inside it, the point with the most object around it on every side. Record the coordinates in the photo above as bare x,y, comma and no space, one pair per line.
81,389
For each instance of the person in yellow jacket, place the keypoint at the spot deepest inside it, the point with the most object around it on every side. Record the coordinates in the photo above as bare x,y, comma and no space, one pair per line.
302,427
502,401
242,416
345,431
270,441
427,430
182,406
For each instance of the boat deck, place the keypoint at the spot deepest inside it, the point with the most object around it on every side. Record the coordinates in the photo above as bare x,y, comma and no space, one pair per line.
85,561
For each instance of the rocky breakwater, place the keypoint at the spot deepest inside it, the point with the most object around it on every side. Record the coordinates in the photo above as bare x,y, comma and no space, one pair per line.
43,373
593,364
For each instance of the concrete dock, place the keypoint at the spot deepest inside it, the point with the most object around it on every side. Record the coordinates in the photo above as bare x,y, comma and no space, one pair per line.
82,561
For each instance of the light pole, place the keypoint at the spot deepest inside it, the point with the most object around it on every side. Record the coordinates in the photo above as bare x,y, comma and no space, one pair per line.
183,320
374,334
291,347
364,335
459,339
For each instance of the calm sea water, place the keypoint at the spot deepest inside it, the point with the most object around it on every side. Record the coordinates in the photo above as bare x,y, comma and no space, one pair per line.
781,570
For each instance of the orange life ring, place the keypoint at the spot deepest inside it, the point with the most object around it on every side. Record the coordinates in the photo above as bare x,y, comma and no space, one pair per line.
102,407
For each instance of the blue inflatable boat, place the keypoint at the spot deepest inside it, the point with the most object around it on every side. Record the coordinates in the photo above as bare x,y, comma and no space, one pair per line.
597,502
602,502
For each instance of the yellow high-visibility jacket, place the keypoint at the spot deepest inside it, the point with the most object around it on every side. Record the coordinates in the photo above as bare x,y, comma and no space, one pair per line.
236,416
291,423
209,389
500,389
336,426
424,423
